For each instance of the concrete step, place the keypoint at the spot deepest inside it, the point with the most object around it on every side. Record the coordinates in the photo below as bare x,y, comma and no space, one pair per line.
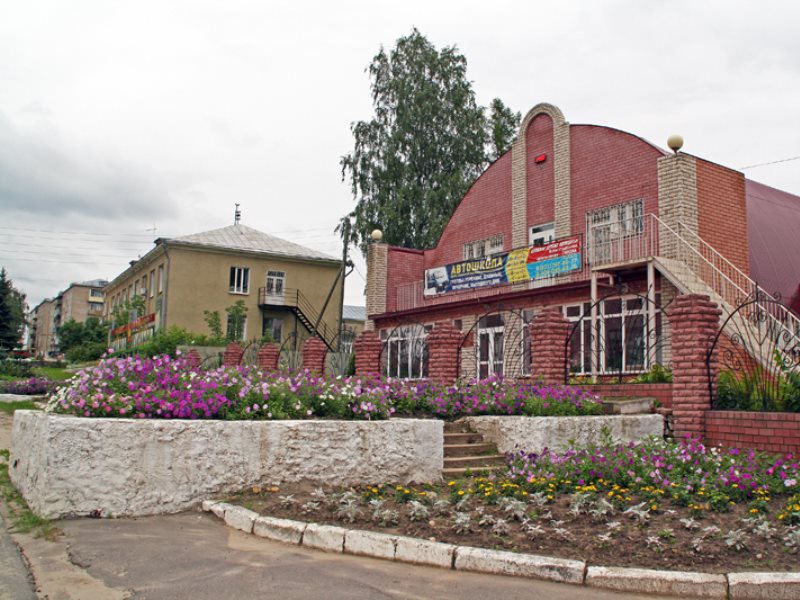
475,462
456,472
455,439
456,427
627,406
474,449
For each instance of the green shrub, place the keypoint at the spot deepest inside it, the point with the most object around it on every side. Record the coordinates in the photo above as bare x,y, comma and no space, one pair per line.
16,369
656,374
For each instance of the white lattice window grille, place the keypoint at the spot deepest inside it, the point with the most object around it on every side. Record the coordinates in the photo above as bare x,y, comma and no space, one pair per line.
484,247
539,235
608,227
405,352
620,342
276,283
490,346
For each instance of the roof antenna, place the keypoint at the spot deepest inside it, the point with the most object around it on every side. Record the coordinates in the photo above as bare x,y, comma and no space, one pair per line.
237,215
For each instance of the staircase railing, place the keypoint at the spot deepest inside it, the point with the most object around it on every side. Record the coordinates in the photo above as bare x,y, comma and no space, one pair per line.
304,310
727,280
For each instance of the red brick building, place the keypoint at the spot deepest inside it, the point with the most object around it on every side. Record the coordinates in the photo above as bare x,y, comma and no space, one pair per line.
561,220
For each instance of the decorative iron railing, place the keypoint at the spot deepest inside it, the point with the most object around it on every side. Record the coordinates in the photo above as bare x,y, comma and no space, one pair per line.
725,279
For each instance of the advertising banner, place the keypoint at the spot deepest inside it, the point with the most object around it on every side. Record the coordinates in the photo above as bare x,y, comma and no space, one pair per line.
516,266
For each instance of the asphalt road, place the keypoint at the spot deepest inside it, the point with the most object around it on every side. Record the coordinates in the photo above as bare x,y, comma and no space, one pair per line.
193,555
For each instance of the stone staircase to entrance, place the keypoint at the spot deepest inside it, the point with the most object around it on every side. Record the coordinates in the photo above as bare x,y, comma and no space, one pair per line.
466,450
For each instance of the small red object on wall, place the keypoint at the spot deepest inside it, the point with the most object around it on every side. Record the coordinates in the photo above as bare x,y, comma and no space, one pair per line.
540,159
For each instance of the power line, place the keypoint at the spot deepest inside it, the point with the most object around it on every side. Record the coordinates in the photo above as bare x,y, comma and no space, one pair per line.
773,162
63,262
142,235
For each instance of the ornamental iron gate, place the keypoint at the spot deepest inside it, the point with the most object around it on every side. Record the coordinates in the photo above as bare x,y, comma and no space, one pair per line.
758,358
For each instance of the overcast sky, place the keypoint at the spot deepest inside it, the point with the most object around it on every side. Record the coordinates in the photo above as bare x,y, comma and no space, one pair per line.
116,117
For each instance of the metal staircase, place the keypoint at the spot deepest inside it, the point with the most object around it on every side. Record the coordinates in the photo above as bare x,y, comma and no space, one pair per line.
694,266
302,308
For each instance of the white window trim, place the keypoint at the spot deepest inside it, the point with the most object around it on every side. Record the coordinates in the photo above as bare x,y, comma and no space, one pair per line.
238,287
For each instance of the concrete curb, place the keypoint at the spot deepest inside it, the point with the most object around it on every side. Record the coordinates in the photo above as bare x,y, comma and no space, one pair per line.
736,586
673,583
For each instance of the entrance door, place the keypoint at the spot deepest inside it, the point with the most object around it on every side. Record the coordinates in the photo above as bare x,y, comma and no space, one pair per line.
275,286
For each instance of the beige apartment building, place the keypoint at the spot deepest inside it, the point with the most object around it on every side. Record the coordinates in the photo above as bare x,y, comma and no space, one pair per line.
289,290
78,302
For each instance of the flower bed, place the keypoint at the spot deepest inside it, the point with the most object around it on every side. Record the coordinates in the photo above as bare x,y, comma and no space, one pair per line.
33,386
653,505
167,388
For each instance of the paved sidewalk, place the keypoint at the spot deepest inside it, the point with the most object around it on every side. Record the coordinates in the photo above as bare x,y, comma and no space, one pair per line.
15,580
193,555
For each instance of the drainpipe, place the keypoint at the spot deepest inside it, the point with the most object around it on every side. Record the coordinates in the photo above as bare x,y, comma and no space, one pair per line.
166,287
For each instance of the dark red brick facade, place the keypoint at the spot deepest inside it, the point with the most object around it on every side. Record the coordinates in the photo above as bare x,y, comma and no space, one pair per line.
560,173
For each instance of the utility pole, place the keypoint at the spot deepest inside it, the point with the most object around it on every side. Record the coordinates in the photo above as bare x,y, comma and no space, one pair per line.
346,237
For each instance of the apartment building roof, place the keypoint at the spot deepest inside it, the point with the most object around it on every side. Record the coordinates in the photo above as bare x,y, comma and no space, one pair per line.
241,237
354,313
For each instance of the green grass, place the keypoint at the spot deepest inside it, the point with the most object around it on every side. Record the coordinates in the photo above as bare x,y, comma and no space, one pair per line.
11,407
20,517
53,373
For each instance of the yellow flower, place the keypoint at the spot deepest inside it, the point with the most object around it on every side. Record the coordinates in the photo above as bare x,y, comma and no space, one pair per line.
460,492
451,483
654,507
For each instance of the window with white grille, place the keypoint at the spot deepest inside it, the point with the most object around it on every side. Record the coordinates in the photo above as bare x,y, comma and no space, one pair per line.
484,247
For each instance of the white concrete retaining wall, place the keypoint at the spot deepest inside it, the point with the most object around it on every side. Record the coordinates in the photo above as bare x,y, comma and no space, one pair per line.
533,434
66,465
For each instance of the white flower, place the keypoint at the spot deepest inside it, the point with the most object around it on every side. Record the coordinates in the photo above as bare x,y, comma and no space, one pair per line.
790,482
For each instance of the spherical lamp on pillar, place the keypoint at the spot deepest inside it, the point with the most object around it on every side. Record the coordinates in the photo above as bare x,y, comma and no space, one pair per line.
675,143
376,235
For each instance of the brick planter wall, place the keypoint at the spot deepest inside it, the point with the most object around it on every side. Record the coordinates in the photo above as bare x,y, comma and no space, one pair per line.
549,332
193,358
233,355
367,348
268,356
772,432
695,322
443,344
314,353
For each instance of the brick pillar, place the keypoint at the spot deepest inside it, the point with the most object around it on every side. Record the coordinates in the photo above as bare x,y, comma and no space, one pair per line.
549,331
367,348
695,321
233,355
193,358
314,353
377,271
268,356
443,344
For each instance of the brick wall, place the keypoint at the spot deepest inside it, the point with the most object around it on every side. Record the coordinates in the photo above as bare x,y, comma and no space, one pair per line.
695,320
771,432
540,178
233,355
660,391
722,212
609,167
314,353
403,266
484,211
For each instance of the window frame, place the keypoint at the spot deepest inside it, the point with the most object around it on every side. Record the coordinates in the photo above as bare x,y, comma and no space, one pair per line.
239,281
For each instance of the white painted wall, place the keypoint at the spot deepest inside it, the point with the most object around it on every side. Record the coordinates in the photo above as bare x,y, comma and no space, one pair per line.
66,465
533,434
